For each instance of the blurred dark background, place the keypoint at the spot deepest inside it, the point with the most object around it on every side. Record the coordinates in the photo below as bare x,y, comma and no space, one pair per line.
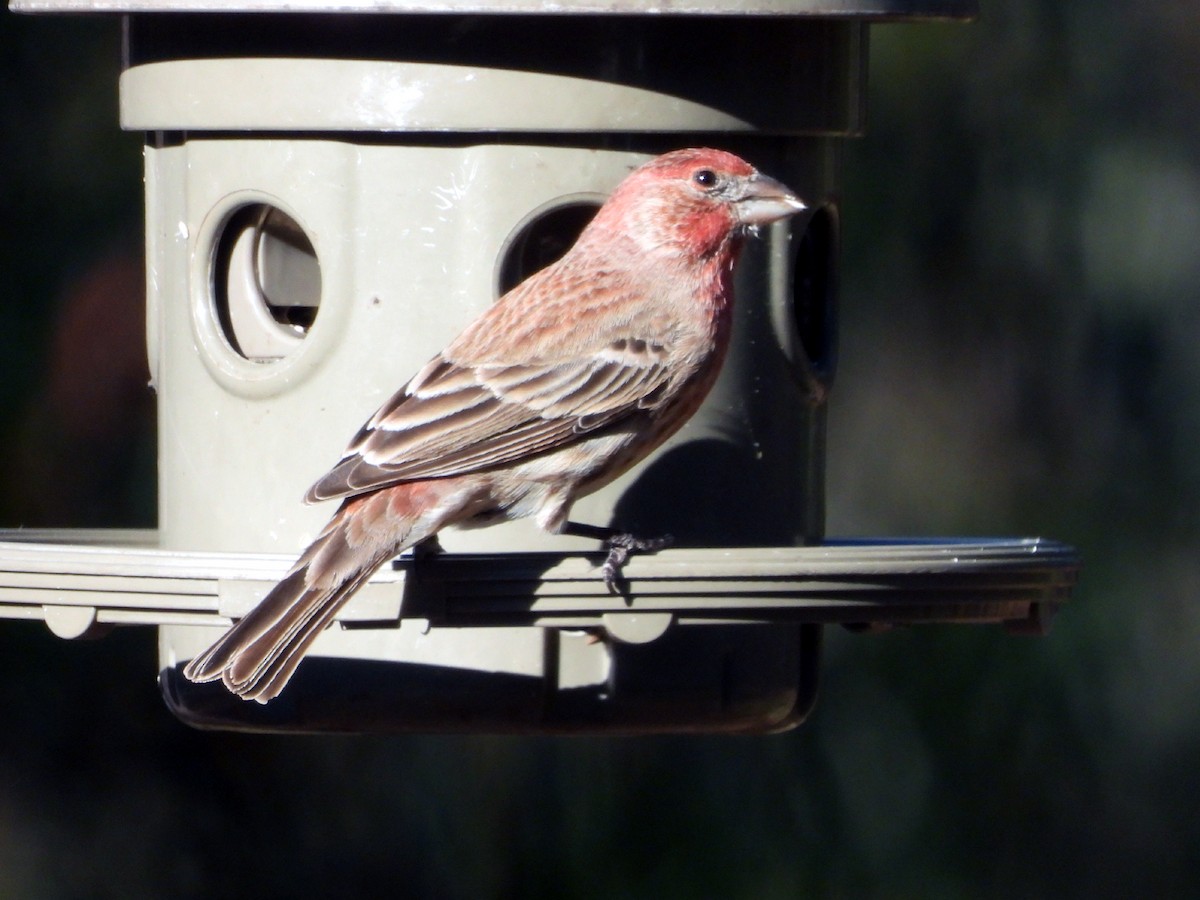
1018,356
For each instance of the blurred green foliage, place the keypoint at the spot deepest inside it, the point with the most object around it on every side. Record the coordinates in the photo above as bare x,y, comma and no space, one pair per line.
1018,332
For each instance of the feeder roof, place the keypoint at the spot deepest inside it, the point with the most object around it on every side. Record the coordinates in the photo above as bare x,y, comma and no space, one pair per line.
860,9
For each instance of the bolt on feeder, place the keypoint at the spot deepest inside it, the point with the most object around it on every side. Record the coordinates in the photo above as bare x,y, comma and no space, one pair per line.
333,190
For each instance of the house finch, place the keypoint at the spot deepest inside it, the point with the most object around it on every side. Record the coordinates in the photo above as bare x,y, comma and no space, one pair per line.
555,390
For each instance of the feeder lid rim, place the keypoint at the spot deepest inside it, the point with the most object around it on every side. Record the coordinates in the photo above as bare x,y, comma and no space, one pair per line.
897,10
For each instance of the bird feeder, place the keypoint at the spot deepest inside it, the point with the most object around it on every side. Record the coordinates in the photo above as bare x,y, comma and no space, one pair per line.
333,190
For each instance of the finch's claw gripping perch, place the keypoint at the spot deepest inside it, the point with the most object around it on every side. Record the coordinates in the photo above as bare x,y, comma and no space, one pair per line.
621,547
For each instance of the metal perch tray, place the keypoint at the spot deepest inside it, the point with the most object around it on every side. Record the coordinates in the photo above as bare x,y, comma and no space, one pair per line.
533,642
77,580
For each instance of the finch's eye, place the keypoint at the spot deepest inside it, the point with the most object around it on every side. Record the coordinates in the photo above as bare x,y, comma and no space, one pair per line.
706,178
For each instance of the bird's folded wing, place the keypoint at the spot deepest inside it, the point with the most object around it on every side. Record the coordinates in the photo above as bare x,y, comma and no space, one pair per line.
453,419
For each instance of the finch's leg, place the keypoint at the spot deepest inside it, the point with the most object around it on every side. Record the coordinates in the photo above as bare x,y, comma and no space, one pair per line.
431,546
621,545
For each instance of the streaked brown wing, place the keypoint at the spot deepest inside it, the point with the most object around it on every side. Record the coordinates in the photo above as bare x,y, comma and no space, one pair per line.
451,419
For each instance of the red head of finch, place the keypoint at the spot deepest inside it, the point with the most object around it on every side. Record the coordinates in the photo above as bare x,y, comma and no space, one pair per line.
556,389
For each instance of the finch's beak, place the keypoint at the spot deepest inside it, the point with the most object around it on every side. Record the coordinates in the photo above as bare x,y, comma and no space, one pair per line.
765,200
